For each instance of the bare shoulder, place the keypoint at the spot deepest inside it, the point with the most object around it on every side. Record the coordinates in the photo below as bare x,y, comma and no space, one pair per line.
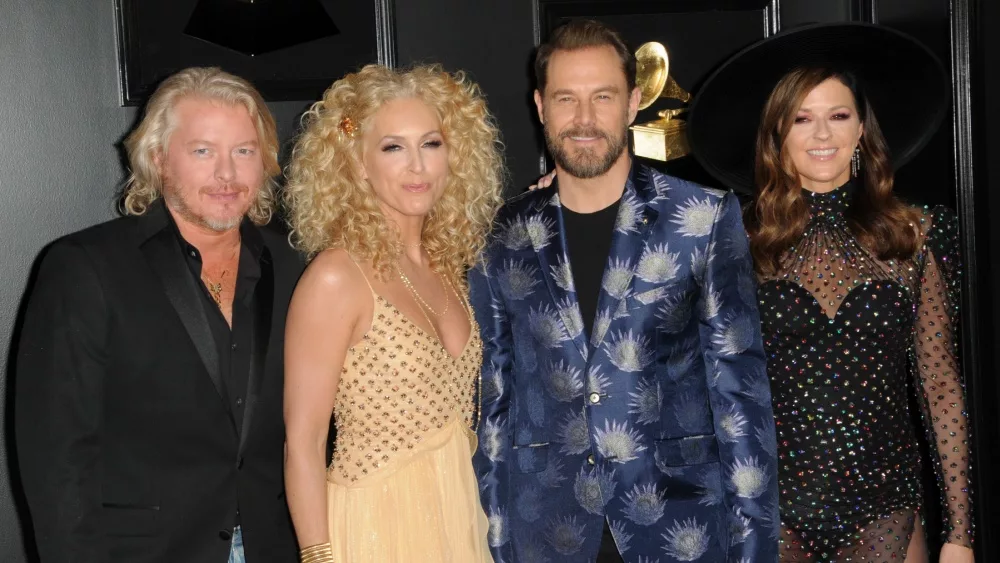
332,286
333,270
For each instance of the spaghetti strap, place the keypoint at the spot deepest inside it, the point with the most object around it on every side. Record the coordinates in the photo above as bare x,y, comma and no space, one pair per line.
358,266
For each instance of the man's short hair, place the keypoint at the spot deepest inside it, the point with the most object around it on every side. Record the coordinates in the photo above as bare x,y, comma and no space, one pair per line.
581,34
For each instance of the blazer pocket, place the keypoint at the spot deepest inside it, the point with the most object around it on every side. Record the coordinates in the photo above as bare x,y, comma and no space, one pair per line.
531,458
126,519
689,450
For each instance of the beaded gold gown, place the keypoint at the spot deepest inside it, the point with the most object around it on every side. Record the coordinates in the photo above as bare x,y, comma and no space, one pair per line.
401,487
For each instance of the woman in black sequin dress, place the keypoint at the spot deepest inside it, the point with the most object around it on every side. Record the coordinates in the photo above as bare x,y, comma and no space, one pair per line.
858,291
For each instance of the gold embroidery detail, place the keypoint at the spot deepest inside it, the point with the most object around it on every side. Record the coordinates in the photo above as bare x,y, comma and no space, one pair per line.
398,385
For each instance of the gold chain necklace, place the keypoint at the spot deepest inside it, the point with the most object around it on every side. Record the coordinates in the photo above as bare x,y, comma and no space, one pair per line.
420,300
215,288
477,413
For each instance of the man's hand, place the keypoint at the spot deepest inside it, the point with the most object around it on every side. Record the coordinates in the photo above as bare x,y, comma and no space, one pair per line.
544,182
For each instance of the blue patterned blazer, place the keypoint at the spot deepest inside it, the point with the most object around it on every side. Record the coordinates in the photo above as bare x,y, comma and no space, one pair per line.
662,421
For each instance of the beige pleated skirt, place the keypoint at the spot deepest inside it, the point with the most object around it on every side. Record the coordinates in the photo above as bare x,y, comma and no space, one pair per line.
426,509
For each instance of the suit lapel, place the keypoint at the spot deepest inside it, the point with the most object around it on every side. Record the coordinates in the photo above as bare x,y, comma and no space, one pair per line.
262,310
636,216
164,256
556,272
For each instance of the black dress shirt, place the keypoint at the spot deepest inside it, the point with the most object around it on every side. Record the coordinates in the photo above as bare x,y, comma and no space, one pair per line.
233,343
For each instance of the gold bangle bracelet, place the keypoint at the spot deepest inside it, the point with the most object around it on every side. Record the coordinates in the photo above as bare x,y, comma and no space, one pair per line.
319,553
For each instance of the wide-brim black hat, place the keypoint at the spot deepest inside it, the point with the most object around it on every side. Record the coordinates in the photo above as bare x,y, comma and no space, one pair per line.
904,81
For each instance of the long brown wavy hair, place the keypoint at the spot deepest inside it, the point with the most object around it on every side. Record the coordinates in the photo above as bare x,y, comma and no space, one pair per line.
778,215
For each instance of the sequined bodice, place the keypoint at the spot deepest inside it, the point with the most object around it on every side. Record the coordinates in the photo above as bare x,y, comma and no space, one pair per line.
397,387
840,327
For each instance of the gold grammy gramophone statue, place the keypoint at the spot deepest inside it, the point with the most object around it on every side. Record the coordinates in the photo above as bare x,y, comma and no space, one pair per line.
666,138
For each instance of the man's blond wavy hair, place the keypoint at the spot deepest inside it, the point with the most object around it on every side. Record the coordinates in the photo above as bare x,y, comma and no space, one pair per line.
152,136
332,206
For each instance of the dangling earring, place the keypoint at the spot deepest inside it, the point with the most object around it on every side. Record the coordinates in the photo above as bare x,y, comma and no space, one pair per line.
856,162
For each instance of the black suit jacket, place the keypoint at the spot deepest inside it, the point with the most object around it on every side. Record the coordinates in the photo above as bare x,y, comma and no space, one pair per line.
127,449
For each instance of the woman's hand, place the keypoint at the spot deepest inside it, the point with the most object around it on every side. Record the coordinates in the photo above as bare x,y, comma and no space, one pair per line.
544,182
954,553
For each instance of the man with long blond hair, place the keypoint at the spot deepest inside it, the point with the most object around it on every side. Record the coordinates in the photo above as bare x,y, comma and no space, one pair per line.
149,372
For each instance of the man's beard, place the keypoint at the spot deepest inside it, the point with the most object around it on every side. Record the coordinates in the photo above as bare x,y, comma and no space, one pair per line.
173,199
586,162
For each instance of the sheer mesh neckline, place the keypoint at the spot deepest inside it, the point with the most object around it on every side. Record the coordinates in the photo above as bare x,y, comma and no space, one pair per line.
828,261
832,204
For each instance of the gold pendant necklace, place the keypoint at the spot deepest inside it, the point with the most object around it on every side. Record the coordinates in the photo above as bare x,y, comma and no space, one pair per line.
215,288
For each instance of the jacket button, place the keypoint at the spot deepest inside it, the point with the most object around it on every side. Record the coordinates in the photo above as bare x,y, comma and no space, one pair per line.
225,535
590,459
595,398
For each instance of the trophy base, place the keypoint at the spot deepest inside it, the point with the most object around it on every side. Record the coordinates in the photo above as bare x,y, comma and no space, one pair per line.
665,139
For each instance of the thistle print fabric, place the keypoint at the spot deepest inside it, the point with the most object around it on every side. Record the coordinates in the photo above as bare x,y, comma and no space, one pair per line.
661,421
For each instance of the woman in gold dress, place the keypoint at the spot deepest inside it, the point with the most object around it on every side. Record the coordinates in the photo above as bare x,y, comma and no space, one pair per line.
392,189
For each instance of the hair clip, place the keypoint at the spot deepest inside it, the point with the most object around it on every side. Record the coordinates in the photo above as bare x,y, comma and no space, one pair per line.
347,126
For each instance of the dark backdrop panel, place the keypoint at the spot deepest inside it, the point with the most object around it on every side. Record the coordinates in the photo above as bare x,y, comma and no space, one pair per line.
493,41
153,45
985,43
798,12
929,179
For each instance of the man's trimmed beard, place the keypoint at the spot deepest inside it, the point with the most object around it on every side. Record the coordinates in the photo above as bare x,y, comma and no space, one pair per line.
174,200
585,163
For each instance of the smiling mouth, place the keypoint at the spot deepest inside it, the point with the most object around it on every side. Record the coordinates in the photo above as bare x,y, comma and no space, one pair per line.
417,188
822,152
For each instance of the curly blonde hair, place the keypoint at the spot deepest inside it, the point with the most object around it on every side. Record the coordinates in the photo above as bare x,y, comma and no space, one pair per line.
331,206
151,137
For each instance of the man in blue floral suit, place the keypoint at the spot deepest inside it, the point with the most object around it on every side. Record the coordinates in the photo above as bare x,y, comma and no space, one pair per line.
623,384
